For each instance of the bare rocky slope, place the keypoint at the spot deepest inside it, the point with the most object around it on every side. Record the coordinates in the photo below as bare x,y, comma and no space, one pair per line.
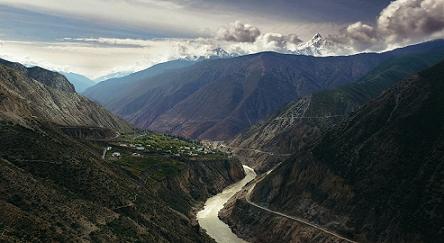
306,118
376,177
41,94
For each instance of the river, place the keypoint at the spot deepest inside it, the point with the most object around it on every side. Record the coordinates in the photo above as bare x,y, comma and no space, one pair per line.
208,218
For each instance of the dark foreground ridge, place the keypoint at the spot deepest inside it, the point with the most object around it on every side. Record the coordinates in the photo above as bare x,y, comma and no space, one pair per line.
377,177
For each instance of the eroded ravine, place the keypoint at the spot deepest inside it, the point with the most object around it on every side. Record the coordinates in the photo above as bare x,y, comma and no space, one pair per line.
208,217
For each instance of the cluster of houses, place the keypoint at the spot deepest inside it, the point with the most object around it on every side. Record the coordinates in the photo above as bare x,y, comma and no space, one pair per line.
136,146
180,151
192,150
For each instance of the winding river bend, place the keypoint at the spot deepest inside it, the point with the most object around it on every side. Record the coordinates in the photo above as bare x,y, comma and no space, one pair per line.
208,218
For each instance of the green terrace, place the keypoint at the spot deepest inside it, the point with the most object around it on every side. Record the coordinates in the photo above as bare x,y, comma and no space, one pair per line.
157,155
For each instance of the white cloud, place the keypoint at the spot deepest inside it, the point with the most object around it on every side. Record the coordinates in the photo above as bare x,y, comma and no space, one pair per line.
279,42
402,22
238,32
86,58
96,57
405,20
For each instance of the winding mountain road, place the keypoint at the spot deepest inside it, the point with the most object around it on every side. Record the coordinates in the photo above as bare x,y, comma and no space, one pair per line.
299,220
257,151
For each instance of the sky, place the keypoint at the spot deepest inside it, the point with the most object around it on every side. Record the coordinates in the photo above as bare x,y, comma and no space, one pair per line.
99,37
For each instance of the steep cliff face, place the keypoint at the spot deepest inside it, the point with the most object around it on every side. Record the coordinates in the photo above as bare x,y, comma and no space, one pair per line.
378,176
305,119
36,93
46,77
197,182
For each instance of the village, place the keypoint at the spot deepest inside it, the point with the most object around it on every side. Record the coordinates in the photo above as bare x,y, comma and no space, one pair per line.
153,143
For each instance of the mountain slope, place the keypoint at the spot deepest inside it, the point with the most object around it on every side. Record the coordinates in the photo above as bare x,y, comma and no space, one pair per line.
80,82
218,99
115,89
55,188
57,183
378,176
38,93
306,118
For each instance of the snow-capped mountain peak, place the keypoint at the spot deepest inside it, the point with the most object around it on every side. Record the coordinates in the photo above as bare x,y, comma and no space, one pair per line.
317,36
317,46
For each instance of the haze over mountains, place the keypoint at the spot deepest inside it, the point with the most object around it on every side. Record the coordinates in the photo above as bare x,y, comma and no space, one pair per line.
80,82
218,99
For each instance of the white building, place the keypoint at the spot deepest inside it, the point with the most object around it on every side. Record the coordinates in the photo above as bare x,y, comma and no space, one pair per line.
116,154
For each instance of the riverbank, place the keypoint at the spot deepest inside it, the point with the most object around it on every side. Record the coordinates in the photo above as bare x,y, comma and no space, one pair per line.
208,216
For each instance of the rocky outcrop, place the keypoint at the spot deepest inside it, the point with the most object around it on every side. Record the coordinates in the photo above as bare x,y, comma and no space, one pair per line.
377,177
198,181
46,77
36,93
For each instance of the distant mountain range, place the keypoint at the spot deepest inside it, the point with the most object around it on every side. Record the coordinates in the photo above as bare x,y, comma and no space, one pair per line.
80,82
116,89
112,76
220,98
